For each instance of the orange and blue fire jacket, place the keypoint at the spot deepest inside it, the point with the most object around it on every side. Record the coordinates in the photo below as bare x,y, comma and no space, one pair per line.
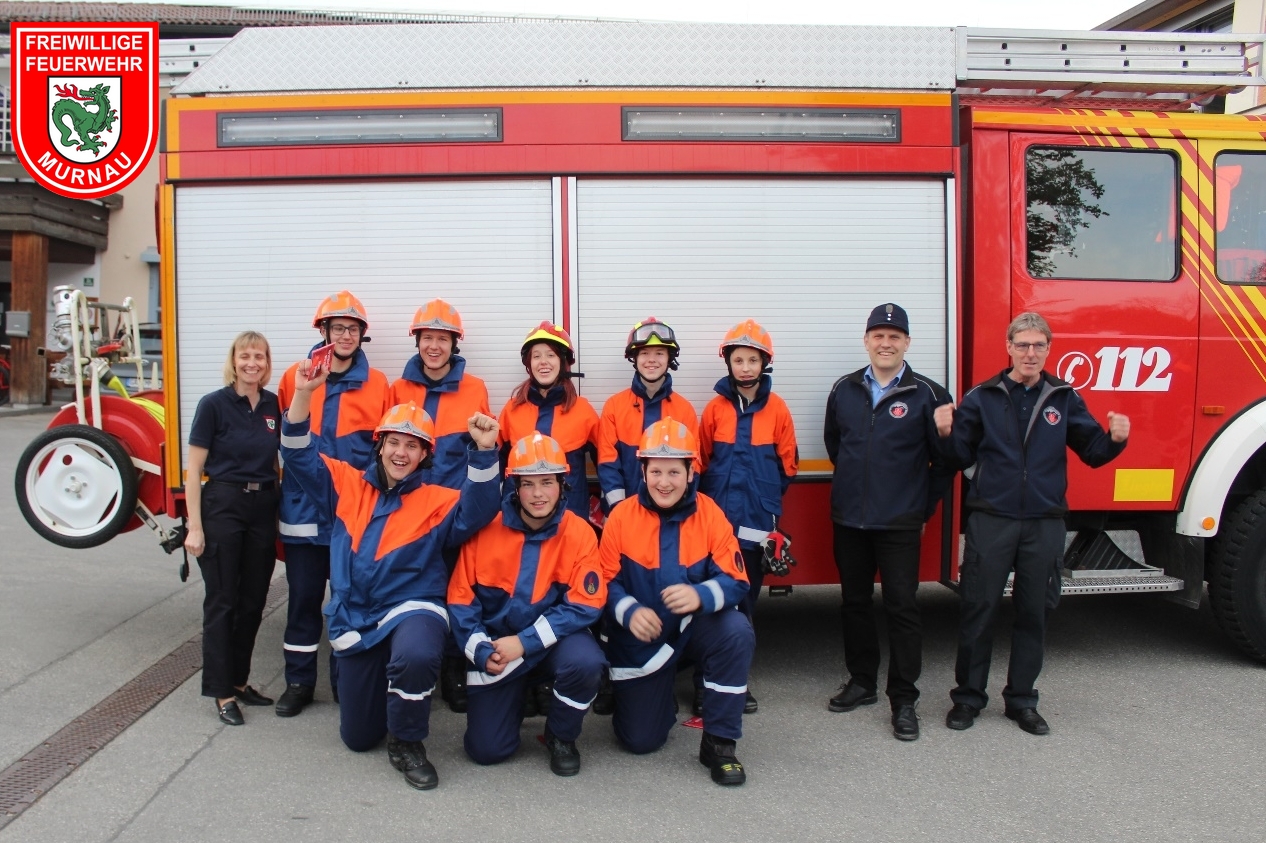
748,455
576,431
345,411
541,585
625,417
450,402
644,550
386,545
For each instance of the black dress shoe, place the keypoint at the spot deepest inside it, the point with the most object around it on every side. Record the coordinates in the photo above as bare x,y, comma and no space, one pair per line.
1029,720
961,716
749,704
409,757
294,700
230,713
249,696
851,696
564,758
717,754
905,723
453,683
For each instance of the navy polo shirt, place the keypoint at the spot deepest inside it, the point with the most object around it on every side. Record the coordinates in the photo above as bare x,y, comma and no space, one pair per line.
241,443
1022,398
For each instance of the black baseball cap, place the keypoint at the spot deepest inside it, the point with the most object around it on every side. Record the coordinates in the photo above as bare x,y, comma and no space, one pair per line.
889,315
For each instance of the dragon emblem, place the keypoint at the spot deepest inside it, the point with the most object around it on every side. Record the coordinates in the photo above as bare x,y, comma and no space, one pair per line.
72,117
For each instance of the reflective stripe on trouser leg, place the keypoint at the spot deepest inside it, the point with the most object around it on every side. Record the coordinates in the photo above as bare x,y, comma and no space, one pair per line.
307,571
723,643
494,714
417,648
577,665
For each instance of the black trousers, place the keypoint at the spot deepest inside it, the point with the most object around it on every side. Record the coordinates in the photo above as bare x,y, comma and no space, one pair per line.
237,566
895,555
1034,549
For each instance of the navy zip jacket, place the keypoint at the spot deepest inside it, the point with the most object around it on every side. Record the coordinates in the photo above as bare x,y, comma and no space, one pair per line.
1022,464
889,463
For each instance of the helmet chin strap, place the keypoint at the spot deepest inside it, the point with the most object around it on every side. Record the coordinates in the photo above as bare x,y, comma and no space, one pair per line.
518,504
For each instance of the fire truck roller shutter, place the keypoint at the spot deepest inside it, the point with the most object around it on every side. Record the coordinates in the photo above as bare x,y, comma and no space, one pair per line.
807,258
262,256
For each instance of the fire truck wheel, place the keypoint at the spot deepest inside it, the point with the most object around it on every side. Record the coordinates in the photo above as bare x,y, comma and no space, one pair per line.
1237,576
76,486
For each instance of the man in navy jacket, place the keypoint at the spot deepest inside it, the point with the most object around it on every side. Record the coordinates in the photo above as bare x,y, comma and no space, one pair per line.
1015,429
882,438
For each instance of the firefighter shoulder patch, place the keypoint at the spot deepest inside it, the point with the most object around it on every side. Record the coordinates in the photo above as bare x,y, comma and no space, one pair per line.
591,583
738,561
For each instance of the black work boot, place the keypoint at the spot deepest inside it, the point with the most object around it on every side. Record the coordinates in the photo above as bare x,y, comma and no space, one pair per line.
718,755
453,683
564,758
604,703
294,700
409,757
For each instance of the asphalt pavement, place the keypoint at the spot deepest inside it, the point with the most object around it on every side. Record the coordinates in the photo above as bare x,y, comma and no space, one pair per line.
1155,724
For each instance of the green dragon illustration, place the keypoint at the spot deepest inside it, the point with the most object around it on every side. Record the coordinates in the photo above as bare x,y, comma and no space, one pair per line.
87,124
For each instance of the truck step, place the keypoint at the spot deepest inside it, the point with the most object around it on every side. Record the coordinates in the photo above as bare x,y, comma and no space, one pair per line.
1109,582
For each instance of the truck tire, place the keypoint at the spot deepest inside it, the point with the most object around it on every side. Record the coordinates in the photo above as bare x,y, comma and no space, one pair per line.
1237,576
76,486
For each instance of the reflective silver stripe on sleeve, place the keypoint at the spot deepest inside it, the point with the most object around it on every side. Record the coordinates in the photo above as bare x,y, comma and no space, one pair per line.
751,534
623,606
299,648
299,531
725,689
300,441
717,594
473,642
406,695
482,475
543,629
569,701
413,606
657,661
615,496
477,677
347,639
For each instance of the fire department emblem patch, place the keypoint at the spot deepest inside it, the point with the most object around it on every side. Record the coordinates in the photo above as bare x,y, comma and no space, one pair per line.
271,422
85,104
898,410
1051,415
591,583
738,561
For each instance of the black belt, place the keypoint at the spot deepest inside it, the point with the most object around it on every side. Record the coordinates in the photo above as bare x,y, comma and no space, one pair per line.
265,486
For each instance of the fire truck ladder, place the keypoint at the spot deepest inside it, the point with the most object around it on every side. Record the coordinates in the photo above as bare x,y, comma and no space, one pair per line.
1075,65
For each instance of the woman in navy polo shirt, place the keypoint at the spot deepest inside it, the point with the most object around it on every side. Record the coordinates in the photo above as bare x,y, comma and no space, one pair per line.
233,518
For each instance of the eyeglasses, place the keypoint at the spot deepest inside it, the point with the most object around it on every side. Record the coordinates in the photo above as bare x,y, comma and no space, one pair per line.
1025,347
340,330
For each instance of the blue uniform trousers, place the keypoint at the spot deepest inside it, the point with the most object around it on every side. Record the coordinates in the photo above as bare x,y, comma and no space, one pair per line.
1034,549
387,688
722,643
307,572
494,712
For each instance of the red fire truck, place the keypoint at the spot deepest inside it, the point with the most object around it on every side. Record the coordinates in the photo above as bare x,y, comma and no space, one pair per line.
597,173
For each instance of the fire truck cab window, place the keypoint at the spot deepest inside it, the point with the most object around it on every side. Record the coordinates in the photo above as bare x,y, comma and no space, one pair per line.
1101,214
1239,194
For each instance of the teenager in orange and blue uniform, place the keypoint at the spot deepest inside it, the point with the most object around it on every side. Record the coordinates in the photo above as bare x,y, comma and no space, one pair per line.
388,581
675,581
344,411
437,381
522,597
653,349
748,454
547,403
